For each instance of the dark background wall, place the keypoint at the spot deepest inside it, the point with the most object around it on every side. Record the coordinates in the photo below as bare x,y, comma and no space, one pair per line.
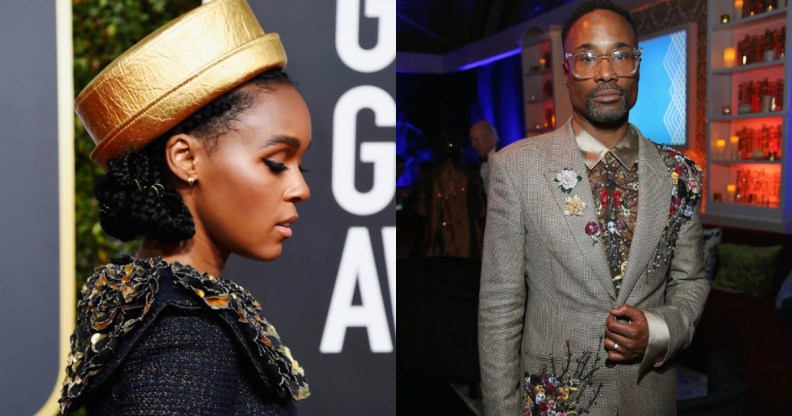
431,106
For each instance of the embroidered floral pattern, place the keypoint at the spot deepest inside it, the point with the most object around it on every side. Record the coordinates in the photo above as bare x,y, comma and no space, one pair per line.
567,179
685,187
574,206
118,296
564,394
615,190
593,230
617,280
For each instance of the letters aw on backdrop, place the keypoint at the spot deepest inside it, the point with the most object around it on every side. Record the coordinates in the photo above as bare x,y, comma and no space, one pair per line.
357,267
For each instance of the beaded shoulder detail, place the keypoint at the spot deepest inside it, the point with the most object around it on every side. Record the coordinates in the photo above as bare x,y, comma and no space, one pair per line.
118,296
686,179
280,366
114,300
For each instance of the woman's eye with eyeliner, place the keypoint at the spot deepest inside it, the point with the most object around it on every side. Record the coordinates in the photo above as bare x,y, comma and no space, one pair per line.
303,170
275,167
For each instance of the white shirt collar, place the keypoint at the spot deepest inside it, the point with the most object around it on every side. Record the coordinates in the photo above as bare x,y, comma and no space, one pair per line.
625,151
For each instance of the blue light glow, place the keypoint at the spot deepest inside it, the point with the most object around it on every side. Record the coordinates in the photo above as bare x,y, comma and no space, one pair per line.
489,60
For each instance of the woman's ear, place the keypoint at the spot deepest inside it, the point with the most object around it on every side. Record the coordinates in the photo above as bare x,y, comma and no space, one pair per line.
181,152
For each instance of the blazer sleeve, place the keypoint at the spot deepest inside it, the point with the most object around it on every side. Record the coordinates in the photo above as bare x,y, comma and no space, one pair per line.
502,294
686,290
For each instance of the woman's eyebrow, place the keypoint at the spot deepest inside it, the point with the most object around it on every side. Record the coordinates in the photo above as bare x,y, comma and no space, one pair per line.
289,141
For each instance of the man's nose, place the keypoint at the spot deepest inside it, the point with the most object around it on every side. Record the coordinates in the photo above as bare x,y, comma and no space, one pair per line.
604,71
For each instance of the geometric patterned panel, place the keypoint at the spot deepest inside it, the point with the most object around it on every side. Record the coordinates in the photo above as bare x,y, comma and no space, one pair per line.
675,64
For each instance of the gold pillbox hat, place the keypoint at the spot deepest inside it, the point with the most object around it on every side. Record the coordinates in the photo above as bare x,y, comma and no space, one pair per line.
173,72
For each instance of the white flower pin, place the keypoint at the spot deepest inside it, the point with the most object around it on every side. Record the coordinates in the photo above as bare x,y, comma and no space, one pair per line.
567,179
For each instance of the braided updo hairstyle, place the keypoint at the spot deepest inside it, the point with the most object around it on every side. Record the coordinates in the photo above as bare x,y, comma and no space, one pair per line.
134,196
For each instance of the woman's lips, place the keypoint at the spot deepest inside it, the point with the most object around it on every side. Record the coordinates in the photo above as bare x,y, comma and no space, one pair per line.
285,226
285,229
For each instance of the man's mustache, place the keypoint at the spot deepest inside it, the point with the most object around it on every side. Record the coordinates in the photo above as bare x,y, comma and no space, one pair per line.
604,87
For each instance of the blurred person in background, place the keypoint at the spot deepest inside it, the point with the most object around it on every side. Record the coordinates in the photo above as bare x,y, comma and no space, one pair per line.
451,203
484,140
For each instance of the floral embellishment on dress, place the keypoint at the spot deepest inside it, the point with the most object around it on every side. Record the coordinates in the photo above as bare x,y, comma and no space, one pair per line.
686,178
217,293
114,299
567,179
574,206
118,296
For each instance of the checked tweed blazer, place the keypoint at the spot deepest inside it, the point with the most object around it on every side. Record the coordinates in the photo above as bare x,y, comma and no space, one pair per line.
545,281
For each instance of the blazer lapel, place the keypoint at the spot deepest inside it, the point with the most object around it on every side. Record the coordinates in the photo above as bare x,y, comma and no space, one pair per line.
654,198
593,251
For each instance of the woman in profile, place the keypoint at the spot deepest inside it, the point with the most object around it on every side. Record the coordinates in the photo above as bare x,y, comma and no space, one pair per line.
201,134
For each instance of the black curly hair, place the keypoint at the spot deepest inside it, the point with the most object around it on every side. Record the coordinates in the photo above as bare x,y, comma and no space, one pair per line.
592,5
134,196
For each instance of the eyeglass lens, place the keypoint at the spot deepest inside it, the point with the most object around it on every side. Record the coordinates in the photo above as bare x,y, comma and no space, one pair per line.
621,62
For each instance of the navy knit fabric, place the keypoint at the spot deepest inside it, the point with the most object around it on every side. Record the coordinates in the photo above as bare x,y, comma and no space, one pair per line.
186,363
184,358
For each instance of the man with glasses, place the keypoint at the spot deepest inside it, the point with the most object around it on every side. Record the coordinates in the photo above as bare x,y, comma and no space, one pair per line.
592,246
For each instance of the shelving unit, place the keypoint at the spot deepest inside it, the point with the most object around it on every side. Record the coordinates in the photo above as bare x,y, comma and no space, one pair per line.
747,189
545,101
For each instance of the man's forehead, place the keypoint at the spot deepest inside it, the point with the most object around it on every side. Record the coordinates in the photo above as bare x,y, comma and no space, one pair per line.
600,29
602,45
478,131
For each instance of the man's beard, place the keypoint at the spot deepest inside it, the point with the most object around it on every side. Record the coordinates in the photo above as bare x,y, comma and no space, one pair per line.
615,113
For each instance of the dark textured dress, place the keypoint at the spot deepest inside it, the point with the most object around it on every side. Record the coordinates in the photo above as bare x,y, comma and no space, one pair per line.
158,338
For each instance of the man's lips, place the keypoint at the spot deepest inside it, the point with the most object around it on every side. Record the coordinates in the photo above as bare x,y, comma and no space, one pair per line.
607,95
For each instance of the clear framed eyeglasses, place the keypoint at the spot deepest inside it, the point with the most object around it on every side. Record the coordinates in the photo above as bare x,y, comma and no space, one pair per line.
623,62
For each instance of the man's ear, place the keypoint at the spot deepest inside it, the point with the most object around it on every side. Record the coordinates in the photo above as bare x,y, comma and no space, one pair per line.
181,151
565,65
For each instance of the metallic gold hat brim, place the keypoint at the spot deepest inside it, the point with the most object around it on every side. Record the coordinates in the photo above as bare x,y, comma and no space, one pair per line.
172,73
